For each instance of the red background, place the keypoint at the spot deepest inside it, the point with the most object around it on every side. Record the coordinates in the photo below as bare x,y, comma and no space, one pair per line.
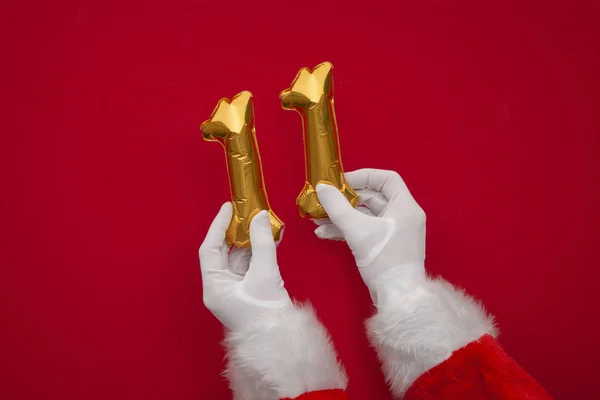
489,111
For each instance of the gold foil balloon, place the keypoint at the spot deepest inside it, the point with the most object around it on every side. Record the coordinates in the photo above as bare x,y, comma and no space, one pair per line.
232,125
311,94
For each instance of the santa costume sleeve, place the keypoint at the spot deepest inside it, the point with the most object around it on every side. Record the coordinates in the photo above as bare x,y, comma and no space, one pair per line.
436,342
287,355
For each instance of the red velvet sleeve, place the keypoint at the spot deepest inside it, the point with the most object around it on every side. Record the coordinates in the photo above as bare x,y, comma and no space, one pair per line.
480,370
332,394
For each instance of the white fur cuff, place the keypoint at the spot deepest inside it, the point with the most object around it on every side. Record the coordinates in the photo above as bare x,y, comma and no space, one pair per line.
422,324
283,355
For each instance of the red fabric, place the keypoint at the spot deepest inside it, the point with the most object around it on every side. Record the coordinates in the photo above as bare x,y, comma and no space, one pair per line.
480,370
332,394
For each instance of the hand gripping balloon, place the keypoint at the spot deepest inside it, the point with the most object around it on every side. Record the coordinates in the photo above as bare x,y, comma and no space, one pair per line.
232,125
311,94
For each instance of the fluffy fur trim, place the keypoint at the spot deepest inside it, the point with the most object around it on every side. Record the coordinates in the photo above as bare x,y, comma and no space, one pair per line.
420,324
283,355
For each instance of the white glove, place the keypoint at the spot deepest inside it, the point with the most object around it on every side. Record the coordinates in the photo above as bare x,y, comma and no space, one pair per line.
386,231
275,349
242,285
419,322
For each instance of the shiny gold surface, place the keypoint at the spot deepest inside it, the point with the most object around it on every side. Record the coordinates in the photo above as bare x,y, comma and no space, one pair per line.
311,94
232,125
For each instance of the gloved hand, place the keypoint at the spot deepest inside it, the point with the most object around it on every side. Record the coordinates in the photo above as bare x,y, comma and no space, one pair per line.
242,285
420,322
386,232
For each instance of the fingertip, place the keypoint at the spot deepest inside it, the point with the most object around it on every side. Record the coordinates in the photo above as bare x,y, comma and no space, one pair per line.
261,219
329,232
217,230
226,210
261,239
356,172
333,201
358,179
323,188
260,229
326,193
320,231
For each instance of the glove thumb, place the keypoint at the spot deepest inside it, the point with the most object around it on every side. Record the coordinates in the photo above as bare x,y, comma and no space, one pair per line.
262,284
366,235
264,253
338,208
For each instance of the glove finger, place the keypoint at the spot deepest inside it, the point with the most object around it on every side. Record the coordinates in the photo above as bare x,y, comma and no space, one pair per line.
364,196
361,207
340,211
389,183
262,284
322,221
213,251
239,259
329,232
264,252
